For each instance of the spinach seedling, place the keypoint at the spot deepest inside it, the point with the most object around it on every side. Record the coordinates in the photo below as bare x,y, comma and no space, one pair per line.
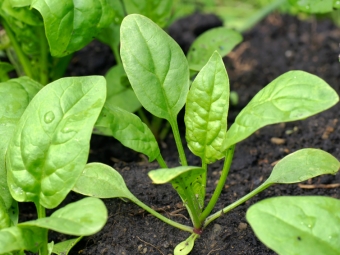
45,133
300,225
159,74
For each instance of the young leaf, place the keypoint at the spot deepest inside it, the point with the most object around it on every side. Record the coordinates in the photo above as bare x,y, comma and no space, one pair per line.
292,96
156,10
206,111
303,165
315,6
99,180
84,217
4,69
24,14
221,39
63,248
186,246
50,146
21,238
297,225
129,130
118,94
15,95
70,25
165,175
155,65
5,220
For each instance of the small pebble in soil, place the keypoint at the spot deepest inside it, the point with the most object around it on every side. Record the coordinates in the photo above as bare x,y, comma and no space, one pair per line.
242,226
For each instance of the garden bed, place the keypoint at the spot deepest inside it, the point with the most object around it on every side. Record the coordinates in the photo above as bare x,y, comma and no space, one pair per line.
276,45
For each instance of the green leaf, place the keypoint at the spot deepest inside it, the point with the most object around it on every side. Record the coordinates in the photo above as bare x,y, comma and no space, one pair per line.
155,65
220,39
20,3
99,180
82,218
165,175
206,111
314,6
5,220
186,246
303,165
294,95
70,25
21,238
119,94
15,95
127,128
159,11
297,225
63,248
4,69
50,146
24,14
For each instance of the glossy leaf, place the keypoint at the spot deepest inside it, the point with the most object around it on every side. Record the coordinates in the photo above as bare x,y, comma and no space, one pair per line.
50,146
99,180
120,94
303,165
84,217
159,11
127,128
165,175
63,248
70,25
292,96
315,6
15,95
186,246
155,65
220,39
206,111
297,225
21,238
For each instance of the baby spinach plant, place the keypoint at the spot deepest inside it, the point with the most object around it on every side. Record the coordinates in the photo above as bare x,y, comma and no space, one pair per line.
159,75
297,225
45,133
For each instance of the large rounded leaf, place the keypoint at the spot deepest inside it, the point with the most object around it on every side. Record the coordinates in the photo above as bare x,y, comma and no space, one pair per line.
71,24
15,95
206,111
50,146
294,95
155,65
297,225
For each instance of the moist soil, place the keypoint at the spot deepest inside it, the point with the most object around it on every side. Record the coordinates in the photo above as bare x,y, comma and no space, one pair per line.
276,45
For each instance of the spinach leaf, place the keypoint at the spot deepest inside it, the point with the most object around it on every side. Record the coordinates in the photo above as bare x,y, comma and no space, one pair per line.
50,146
294,95
297,225
206,111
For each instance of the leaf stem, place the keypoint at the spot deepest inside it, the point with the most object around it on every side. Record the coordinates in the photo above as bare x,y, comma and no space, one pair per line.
44,53
161,161
178,141
220,184
160,216
218,214
43,250
22,57
115,51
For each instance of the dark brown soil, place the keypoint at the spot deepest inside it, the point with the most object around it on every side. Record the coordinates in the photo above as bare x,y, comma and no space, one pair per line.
276,45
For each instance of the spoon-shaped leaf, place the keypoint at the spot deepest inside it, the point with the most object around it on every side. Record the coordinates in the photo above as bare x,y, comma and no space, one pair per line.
221,39
303,165
127,128
70,25
165,175
206,111
50,146
100,180
155,65
186,246
21,238
292,96
15,95
297,225
81,218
